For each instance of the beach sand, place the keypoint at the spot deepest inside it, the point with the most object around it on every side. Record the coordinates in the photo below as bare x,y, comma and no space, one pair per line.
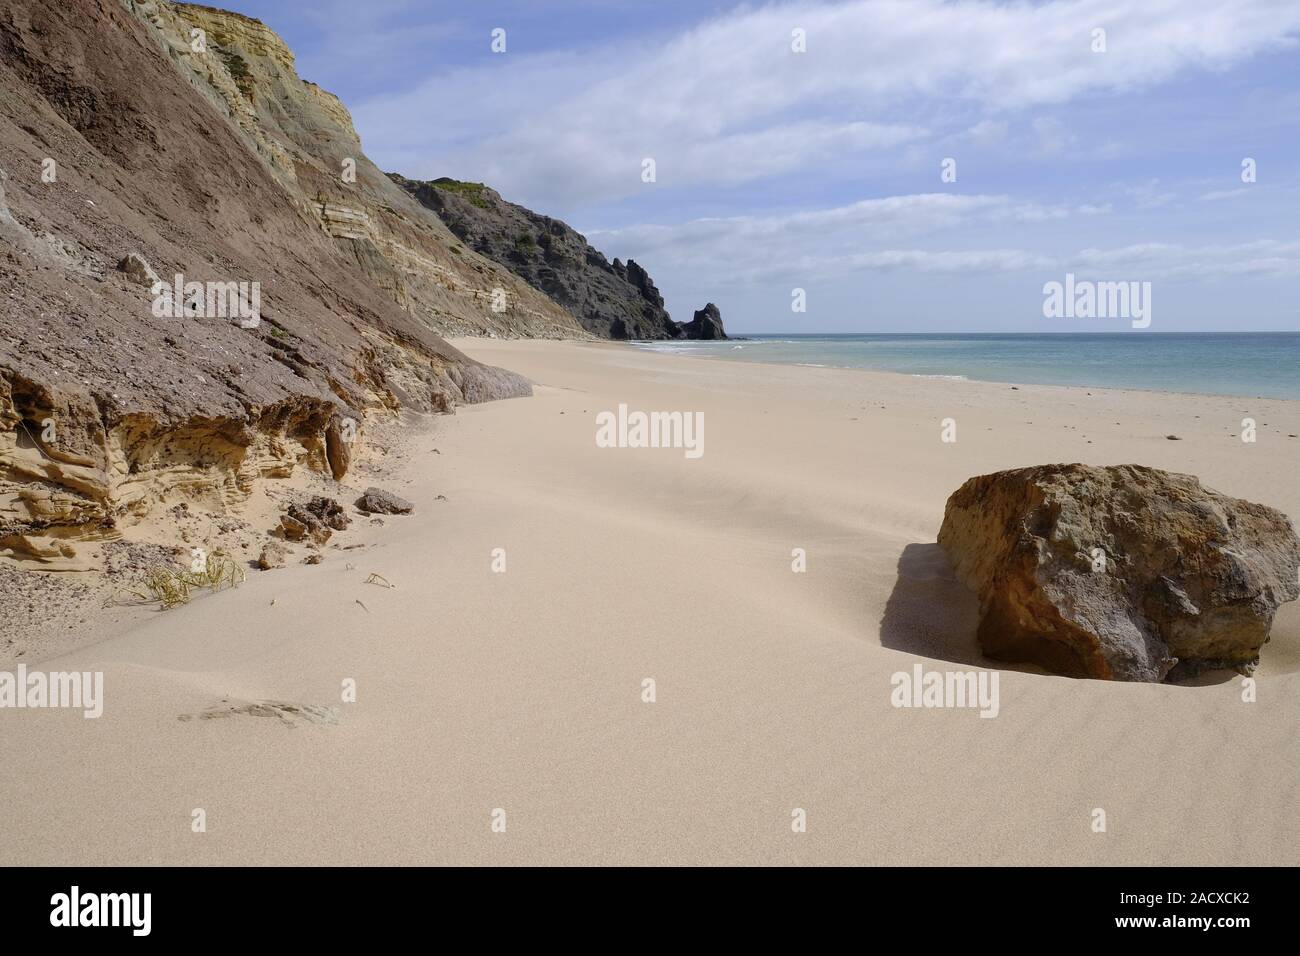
522,690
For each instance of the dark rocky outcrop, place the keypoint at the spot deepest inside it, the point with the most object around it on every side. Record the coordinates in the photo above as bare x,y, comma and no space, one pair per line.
1119,573
706,324
615,300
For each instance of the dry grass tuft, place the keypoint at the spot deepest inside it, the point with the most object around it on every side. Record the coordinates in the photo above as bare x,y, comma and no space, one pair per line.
171,587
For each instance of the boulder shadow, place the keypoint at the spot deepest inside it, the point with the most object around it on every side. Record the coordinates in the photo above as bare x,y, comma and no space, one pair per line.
932,614
1205,679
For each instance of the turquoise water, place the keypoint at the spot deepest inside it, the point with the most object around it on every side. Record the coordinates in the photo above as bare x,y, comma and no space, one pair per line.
1263,364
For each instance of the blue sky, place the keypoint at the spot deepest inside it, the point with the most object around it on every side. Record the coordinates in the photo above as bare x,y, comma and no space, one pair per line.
820,170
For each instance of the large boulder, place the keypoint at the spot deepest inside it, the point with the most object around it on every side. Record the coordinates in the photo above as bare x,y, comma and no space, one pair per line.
1119,573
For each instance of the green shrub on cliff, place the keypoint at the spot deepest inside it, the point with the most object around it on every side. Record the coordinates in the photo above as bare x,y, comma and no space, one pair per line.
471,191
239,71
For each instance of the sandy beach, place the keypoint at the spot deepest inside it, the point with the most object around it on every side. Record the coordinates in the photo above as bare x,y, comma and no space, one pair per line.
480,689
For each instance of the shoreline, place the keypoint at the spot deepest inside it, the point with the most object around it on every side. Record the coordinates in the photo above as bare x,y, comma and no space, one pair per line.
463,342
648,346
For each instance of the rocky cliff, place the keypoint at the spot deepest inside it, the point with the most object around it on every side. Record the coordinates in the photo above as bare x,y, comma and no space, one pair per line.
306,135
613,300
143,141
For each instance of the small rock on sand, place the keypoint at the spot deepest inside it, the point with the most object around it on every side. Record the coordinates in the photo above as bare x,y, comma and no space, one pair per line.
272,556
315,519
378,501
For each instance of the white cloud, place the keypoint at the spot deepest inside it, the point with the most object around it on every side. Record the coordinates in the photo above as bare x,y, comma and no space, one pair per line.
728,102
1214,195
949,233
1264,258
1054,136
913,214
1172,260
815,240
988,132
936,260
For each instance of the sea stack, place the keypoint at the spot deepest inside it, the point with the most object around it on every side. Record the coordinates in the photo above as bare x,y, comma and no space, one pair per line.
706,324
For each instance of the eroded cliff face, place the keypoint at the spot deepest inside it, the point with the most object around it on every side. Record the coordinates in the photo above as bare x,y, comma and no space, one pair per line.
306,135
118,137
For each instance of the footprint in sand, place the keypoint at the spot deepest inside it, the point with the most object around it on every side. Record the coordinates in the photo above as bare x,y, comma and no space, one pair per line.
288,714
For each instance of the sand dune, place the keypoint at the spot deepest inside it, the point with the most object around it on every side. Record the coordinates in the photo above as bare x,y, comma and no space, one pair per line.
523,690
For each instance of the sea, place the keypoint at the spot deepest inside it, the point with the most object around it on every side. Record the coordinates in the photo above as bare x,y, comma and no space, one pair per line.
1252,364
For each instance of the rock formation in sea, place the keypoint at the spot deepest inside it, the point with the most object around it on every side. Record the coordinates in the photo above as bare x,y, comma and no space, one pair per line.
142,141
1119,573
705,324
615,300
